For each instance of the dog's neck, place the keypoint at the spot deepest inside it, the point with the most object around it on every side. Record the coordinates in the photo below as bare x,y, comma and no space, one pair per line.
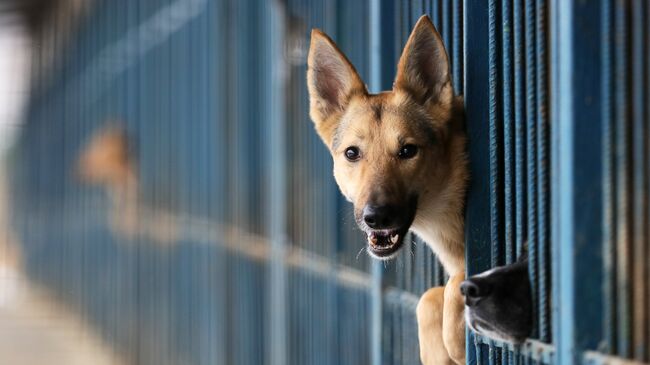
440,223
441,227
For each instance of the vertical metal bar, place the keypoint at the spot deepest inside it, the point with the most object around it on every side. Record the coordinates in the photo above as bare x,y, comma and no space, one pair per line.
377,267
477,102
609,198
640,186
491,354
623,181
446,25
218,66
496,176
646,81
543,171
457,53
520,125
576,148
508,133
273,28
477,354
531,149
436,14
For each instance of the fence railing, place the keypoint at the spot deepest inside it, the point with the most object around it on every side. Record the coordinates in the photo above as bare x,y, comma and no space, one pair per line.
237,247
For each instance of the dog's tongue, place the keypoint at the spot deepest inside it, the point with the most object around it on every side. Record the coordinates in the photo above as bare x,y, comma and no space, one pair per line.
382,240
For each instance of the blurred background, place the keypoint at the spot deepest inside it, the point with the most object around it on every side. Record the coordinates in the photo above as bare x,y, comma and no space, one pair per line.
165,200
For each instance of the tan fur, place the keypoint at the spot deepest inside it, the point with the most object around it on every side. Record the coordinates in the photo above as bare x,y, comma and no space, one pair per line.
453,325
430,324
420,110
105,161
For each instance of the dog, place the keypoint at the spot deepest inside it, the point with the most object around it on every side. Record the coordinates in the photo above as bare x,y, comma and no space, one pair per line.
399,158
107,161
498,302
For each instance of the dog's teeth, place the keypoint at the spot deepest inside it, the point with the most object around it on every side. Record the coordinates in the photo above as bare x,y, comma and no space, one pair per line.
372,239
394,238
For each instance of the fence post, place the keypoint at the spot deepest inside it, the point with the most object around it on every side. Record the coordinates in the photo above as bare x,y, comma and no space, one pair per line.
576,146
477,106
273,25
376,295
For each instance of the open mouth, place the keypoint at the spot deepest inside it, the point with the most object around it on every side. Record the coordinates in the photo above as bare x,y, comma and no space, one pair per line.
386,226
384,243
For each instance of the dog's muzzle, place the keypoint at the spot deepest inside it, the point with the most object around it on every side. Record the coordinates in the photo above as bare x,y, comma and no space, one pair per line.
383,244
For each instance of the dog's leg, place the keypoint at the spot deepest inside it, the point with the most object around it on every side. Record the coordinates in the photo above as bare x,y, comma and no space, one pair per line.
453,322
429,314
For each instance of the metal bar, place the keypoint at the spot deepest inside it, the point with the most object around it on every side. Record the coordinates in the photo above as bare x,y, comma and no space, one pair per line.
599,358
492,358
640,186
508,133
609,186
543,166
446,26
531,149
495,135
477,106
646,74
577,172
477,354
274,24
520,125
531,350
623,180
375,83
457,48
600,108
437,14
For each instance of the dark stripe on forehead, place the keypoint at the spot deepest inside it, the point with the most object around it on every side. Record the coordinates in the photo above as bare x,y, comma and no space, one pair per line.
377,109
408,111
418,119
425,125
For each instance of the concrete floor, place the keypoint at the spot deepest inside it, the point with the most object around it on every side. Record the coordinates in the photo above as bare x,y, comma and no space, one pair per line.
34,330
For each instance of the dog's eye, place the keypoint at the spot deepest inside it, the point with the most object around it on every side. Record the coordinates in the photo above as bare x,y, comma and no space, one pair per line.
408,151
352,153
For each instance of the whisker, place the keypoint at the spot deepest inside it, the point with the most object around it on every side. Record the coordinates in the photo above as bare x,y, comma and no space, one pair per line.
359,253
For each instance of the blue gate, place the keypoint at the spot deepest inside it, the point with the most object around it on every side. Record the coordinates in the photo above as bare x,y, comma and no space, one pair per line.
243,250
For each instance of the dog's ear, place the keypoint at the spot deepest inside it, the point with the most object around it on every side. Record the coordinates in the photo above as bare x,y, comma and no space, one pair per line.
332,80
423,68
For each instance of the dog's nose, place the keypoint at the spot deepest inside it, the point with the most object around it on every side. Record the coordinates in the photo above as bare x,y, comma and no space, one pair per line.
474,291
379,216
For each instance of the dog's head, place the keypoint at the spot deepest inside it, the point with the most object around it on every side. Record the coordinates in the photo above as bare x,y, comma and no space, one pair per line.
106,160
498,303
390,150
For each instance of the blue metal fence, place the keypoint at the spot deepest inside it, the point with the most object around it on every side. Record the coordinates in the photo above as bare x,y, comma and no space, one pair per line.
245,252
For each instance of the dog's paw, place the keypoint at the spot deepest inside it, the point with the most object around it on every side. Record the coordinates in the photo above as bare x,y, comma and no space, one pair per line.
453,321
429,314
